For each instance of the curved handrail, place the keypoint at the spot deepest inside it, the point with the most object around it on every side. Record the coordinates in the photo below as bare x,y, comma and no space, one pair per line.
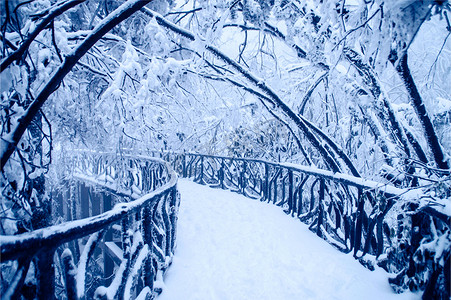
150,183
352,214
338,177
16,246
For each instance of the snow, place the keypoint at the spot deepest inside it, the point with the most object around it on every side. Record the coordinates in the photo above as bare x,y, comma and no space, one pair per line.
81,270
232,247
346,178
144,293
134,273
341,68
442,105
159,285
114,249
111,291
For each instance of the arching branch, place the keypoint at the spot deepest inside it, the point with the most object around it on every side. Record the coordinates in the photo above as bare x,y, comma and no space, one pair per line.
417,102
310,91
41,25
304,125
386,111
9,142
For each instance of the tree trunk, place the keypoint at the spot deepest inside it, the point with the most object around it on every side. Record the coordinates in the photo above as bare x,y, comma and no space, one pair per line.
420,109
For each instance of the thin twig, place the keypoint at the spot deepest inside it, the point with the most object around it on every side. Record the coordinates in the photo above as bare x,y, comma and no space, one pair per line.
440,52
357,28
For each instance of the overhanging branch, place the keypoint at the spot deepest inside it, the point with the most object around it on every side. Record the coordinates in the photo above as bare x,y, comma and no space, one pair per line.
41,25
9,142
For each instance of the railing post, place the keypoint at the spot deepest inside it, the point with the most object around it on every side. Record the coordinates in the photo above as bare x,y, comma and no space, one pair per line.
221,174
243,178
144,180
322,187
60,202
125,238
290,191
189,169
153,179
312,196
283,188
195,168
165,210
46,275
108,264
349,230
96,199
358,223
201,176
184,173
174,206
69,274
274,200
84,200
380,237
66,203
148,273
300,191
74,196
266,187
159,237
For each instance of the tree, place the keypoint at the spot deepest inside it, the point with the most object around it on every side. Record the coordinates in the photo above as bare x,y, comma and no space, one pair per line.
216,76
32,193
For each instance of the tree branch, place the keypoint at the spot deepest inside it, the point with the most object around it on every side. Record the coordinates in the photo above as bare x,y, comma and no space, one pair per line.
10,141
310,91
41,25
300,121
417,102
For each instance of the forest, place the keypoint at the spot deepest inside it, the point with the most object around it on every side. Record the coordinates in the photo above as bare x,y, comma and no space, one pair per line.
352,87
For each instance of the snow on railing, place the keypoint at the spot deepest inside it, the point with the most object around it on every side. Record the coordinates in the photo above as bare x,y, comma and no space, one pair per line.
106,252
353,214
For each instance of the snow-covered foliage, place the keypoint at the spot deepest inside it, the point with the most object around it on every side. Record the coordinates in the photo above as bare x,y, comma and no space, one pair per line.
353,86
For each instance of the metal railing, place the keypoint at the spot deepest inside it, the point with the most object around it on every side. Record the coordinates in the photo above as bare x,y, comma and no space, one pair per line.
352,214
120,246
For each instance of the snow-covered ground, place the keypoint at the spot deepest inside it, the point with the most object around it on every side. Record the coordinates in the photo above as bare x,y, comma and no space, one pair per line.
232,247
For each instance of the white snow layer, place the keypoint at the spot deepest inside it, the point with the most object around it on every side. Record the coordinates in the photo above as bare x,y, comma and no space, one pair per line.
232,247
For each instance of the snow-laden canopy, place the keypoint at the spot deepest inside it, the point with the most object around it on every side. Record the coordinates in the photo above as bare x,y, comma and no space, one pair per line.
354,87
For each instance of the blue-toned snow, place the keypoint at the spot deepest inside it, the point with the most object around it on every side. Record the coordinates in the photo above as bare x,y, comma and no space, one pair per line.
232,247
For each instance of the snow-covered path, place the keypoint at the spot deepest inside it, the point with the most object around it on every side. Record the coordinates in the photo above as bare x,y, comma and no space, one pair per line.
232,247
